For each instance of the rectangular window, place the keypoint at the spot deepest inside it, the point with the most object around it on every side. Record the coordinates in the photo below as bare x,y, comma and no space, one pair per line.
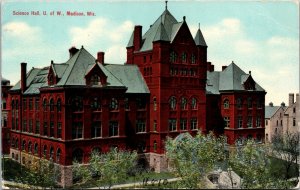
36,105
37,127
59,130
24,104
154,125
249,122
96,129
258,122
194,123
227,122
140,126
294,121
30,126
172,124
113,128
24,126
77,130
281,122
240,121
266,122
45,129
30,104
51,129
183,124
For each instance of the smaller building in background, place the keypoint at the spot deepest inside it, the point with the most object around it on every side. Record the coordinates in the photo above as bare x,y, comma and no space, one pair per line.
5,86
292,115
274,120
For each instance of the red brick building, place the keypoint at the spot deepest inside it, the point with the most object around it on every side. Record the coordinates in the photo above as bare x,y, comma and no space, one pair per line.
5,131
167,87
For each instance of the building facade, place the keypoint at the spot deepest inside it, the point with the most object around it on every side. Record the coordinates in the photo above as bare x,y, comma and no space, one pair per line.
292,115
166,87
5,131
274,120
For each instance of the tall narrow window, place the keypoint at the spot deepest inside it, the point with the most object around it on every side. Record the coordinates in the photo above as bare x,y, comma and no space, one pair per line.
51,105
77,130
154,146
239,103
23,145
77,104
183,104
173,57
141,103
194,103
114,104
96,104
193,58
36,148
154,103
51,129
172,124
184,57
194,123
37,104
95,80
24,104
30,104
59,130
113,128
227,122
59,105
294,121
240,121
30,147
226,104
45,129
258,122
37,127
45,105
140,126
51,153
30,126
249,122
249,103
183,124
172,103
24,127
154,125
126,104
58,155
96,129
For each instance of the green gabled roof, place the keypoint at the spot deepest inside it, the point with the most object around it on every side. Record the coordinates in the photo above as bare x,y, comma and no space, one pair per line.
175,30
199,39
270,111
59,69
130,76
167,20
35,78
230,79
161,34
130,43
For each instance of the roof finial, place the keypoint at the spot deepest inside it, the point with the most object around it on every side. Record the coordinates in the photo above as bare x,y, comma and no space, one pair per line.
183,18
166,5
199,25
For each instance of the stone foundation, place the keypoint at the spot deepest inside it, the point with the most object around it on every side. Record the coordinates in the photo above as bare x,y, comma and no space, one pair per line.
157,162
66,176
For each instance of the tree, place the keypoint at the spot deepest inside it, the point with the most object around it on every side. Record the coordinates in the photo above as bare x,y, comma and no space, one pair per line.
107,168
286,147
192,158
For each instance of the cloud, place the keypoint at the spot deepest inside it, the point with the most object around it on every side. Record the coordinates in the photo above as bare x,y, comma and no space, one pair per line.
274,61
105,35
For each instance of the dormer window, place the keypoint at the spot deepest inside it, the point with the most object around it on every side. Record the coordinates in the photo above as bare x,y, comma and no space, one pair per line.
173,57
95,80
193,58
183,57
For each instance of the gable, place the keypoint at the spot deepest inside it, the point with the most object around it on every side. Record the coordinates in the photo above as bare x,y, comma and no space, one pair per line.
249,84
95,76
182,35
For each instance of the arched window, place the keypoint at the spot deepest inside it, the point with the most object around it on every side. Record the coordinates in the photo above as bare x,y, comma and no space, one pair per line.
249,102
97,149
183,103
59,105
17,104
154,146
51,152
13,143
239,103
194,103
184,57
45,104
30,147
77,104
173,57
13,104
78,155
96,104
95,80
58,154
36,148
193,58
114,104
226,104
154,103
45,151
172,103
23,145
51,104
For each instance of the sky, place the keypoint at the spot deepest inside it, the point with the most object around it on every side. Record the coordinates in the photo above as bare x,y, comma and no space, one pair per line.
259,36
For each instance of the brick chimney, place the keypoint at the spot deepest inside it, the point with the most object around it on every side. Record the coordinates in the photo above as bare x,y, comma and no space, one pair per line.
291,99
137,37
208,66
297,98
100,57
271,104
23,76
73,50
212,68
223,68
